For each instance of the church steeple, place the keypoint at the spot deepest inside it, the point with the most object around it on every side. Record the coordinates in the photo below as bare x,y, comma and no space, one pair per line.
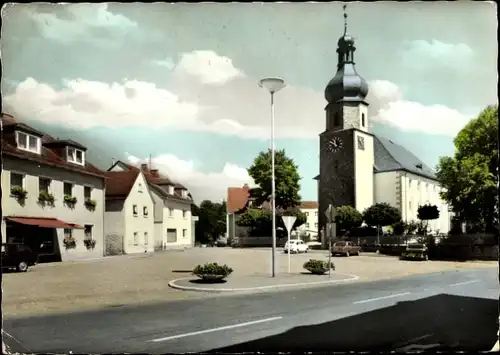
346,85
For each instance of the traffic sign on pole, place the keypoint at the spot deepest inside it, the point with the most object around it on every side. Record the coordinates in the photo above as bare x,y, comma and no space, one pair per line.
330,214
289,221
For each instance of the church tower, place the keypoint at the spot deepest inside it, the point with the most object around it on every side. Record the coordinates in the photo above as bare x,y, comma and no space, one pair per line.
346,145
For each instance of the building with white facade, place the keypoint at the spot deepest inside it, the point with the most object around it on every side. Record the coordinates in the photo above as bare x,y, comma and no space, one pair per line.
310,209
174,226
358,168
129,213
53,198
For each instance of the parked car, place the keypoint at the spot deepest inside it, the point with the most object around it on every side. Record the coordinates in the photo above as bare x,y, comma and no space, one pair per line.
415,252
345,248
17,256
296,246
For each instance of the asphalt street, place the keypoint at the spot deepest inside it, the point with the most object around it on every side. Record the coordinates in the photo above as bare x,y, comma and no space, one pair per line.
454,310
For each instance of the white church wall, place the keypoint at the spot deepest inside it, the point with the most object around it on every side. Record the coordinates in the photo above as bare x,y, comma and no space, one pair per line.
417,191
364,160
386,186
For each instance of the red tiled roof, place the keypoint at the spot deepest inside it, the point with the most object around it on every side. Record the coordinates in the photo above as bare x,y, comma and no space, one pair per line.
120,183
237,198
158,181
63,143
311,205
44,222
47,156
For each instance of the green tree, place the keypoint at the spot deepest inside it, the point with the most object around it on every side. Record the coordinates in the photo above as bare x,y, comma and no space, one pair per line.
211,221
381,215
287,179
427,213
260,220
347,218
469,177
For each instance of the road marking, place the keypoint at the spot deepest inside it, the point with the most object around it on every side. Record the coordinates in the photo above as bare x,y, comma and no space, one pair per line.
417,347
216,329
464,283
382,298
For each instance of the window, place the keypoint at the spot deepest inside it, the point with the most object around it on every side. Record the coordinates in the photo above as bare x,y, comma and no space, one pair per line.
28,142
362,120
184,233
170,190
145,211
307,225
184,214
75,156
139,187
361,143
170,212
68,189
44,185
88,231
336,119
87,193
316,213
16,180
307,214
136,238
183,193
68,233
316,225
134,210
146,238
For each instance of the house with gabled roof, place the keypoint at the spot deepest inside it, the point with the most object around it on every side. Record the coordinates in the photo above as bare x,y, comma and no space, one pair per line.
173,223
53,197
129,213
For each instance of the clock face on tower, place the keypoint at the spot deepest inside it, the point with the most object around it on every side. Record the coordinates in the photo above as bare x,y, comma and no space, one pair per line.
335,144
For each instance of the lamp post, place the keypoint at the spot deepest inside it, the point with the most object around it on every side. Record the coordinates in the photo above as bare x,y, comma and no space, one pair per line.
273,85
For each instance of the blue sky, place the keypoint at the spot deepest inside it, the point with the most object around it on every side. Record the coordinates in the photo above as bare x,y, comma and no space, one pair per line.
179,81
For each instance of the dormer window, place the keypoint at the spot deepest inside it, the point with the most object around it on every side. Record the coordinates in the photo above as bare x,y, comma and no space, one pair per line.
419,166
28,142
75,156
183,193
170,190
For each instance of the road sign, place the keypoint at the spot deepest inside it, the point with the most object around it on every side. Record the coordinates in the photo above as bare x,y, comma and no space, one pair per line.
289,221
330,213
331,229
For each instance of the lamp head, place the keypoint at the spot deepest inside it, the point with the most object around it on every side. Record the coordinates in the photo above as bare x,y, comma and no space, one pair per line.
272,84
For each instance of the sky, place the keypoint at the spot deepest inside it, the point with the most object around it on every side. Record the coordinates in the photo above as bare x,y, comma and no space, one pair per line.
179,82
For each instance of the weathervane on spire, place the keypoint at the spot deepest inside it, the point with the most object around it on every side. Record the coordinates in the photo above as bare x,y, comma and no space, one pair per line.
345,18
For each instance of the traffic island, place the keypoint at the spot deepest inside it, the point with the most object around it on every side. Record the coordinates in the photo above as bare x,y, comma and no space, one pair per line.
260,282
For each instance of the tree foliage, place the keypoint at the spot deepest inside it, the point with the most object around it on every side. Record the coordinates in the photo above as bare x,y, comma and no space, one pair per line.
428,212
211,221
381,214
469,177
347,218
260,220
287,179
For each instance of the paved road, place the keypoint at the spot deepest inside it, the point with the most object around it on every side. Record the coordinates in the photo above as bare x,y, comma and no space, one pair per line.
452,310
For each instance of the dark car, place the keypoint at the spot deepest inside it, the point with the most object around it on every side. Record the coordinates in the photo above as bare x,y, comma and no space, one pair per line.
17,256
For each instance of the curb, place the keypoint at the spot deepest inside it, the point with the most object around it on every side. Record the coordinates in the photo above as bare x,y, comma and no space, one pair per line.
258,288
496,347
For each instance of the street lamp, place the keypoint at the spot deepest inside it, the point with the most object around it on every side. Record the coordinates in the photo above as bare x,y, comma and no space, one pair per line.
273,85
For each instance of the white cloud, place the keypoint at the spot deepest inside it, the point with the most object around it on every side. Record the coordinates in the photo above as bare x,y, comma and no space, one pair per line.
203,186
167,63
420,54
82,22
208,67
207,93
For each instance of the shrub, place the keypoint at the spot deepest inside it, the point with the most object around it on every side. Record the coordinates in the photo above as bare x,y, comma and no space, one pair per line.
45,197
318,266
90,204
18,192
70,200
89,243
212,269
69,243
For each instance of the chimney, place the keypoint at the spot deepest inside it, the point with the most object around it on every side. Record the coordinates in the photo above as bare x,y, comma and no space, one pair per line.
154,172
144,167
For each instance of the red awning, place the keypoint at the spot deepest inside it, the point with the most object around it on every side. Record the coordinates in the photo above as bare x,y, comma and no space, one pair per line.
44,222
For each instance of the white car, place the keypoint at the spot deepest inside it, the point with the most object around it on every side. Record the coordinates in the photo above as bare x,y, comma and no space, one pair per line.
296,246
